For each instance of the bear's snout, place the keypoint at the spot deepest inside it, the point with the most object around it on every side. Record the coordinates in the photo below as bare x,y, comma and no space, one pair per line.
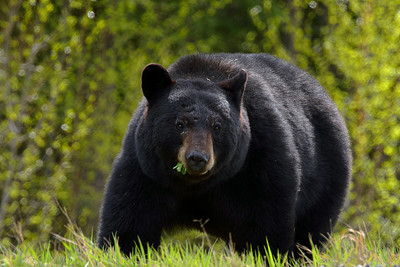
196,162
197,153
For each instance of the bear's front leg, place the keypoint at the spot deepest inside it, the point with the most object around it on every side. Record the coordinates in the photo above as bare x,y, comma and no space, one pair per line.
253,212
254,235
134,209
129,230
255,226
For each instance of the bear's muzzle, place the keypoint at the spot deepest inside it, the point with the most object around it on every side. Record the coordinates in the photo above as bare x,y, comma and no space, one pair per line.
197,152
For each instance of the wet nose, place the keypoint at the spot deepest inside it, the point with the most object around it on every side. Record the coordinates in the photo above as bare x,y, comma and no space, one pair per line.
196,160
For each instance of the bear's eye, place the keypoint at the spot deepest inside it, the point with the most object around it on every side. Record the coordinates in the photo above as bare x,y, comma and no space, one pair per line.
180,125
217,127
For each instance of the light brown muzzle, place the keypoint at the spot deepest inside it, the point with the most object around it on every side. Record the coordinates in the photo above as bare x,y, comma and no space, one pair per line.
197,152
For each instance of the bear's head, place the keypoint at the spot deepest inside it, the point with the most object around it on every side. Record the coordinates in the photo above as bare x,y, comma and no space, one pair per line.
195,122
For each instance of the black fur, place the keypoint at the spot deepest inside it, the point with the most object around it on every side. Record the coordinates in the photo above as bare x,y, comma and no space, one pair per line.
283,159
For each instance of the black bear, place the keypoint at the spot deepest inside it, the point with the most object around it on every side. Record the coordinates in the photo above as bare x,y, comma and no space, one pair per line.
247,141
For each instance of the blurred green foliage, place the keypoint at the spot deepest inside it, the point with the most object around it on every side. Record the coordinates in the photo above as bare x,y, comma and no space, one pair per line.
70,80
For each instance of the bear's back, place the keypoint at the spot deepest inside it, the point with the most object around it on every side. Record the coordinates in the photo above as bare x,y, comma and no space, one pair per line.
269,78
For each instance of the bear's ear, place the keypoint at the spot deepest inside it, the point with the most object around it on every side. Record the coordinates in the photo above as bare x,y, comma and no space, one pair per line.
235,86
155,79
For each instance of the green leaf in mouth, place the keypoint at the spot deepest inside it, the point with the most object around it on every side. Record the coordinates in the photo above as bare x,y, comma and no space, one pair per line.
180,168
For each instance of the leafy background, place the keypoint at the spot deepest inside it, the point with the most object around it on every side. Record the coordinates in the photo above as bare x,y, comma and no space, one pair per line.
70,80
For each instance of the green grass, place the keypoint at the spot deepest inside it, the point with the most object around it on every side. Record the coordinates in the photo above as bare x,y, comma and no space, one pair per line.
350,248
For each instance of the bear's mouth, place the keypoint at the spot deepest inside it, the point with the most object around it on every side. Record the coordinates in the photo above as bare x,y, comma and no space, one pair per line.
195,177
197,173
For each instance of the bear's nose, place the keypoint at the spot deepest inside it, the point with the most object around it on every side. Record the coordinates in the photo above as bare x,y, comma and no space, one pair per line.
196,161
